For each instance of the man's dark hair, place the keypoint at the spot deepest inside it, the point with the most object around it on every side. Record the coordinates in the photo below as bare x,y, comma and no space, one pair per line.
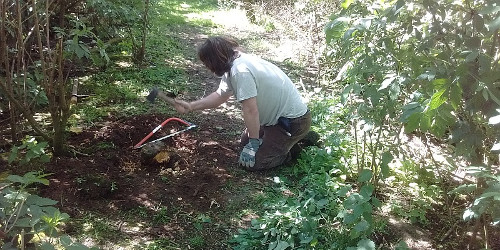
218,54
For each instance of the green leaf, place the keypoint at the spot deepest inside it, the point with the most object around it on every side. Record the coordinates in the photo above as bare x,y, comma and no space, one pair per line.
349,33
40,201
478,22
365,23
413,122
272,245
425,121
455,96
409,110
36,214
495,195
437,99
465,188
485,94
322,203
13,154
347,3
489,10
361,226
472,56
394,91
335,29
24,222
387,157
282,245
47,246
376,202
342,192
366,244
402,246
346,92
366,191
16,179
65,240
349,218
390,78
365,175
439,84
493,96
494,25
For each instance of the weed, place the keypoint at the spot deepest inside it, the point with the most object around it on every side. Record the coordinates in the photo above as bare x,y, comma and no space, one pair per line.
197,241
96,227
24,216
114,186
104,145
162,216
165,179
141,212
31,150
162,243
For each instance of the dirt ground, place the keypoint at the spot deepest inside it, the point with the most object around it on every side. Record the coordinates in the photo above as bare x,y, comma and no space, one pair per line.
113,177
196,168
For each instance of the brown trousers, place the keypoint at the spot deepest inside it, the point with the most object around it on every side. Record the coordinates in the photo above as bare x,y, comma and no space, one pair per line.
276,144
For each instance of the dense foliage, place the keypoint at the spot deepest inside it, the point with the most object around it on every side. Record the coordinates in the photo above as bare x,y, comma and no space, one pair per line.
45,45
432,66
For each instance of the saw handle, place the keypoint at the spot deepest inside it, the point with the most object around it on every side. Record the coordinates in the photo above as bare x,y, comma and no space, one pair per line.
159,127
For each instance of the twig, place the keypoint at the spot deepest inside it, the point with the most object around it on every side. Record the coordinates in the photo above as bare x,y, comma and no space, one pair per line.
448,233
438,164
76,152
14,215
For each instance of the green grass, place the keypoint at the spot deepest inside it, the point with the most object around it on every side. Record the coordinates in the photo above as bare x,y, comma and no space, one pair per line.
120,88
97,227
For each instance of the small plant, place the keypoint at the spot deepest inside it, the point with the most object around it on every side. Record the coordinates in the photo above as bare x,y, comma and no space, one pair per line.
357,209
162,216
114,186
97,227
200,220
420,198
486,206
29,151
24,216
295,221
162,243
105,145
197,241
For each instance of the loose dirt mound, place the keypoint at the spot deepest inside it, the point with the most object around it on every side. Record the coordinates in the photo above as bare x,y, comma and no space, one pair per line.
108,170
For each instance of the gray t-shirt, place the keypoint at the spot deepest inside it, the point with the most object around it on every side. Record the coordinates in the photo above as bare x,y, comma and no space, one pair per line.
276,95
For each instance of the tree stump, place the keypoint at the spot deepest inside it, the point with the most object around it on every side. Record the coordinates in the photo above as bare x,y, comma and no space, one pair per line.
157,153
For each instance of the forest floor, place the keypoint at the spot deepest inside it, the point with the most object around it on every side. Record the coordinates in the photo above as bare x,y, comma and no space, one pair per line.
197,198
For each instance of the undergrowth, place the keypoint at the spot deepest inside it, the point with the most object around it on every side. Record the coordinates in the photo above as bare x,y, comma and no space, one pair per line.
316,207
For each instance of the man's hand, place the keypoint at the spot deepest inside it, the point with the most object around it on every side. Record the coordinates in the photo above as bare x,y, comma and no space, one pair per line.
182,107
247,156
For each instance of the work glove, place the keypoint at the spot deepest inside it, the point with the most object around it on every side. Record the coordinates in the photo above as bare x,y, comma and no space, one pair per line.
247,156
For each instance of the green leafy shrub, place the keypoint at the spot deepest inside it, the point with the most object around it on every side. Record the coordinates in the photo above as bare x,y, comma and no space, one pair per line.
322,210
24,215
29,151
486,202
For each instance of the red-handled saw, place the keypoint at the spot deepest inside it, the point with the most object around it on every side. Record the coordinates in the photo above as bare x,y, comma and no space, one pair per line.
188,124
